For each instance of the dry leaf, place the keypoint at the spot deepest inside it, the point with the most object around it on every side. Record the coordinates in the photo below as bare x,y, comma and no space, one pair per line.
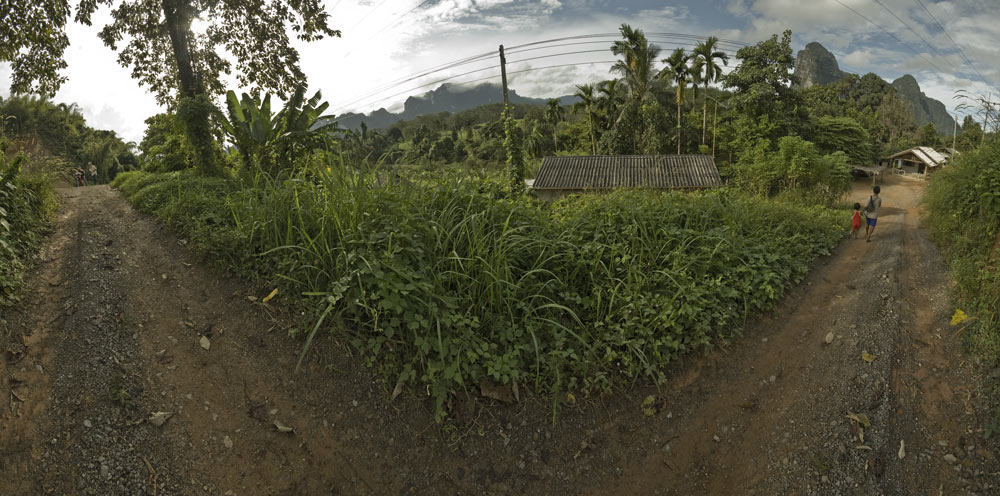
860,418
252,298
958,317
158,418
863,447
868,357
902,449
396,391
205,343
282,427
272,295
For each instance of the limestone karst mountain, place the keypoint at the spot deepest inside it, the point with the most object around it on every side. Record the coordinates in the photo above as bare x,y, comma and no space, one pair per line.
446,98
816,65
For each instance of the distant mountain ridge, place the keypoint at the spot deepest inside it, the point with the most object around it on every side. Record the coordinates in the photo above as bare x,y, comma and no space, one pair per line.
816,65
446,98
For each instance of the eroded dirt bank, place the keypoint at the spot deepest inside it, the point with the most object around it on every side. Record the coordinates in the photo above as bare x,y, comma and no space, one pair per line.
112,330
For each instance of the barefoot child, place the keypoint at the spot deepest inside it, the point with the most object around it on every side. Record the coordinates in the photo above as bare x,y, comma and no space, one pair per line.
856,220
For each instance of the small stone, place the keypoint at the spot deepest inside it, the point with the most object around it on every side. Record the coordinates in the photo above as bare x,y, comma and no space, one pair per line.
829,337
227,442
716,438
902,449
105,472
763,340
824,479
354,403
772,379
205,343
87,424
950,458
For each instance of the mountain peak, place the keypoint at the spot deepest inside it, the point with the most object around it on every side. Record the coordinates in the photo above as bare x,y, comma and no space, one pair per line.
816,65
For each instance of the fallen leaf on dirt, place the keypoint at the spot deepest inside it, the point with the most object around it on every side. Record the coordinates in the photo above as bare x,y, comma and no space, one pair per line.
868,357
16,397
396,391
958,317
158,418
860,418
282,427
650,406
205,343
902,449
498,392
271,295
252,298
164,276
571,398
863,447
829,337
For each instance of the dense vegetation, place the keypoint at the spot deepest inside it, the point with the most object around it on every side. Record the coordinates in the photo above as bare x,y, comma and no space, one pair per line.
26,203
964,216
444,281
57,139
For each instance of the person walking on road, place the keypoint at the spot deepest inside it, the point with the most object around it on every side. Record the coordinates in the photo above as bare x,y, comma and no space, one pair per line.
871,212
93,171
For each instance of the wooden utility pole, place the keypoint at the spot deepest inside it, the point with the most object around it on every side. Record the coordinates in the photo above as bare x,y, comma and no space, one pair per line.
986,119
715,127
954,135
503,76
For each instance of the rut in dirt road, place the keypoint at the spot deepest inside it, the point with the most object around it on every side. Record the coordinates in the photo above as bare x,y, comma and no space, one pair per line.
114,325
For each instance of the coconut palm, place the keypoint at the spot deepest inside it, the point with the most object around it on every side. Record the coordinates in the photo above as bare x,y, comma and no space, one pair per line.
609,99
705,54
678,72
638,58
588,100
554,114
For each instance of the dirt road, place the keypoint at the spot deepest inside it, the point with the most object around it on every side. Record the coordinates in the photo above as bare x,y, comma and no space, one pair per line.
112,331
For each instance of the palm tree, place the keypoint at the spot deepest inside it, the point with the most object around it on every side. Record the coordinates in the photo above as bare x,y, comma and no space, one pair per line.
705,55
554,114
639,56
678,72
585,92
610,98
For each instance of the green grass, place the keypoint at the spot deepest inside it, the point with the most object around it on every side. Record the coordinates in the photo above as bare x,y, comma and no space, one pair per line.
26,207
442,280
963,201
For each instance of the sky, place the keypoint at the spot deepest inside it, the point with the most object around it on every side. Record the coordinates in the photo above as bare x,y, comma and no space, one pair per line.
947,45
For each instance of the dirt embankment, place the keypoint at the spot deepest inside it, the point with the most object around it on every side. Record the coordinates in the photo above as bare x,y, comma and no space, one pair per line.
120,314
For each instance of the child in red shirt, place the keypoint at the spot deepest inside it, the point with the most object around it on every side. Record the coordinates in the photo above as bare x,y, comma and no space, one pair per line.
856,220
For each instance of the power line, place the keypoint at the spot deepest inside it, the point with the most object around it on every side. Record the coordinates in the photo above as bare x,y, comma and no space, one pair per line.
908,27
901,42
953,42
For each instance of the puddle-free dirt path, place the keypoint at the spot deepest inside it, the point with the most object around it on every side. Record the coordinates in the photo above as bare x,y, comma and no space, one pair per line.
112,330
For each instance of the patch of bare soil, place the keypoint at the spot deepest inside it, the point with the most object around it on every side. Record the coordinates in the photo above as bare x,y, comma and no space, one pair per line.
124,321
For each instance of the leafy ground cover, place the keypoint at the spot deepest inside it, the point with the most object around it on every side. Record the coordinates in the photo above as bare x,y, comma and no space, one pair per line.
26,204
964,217
445,282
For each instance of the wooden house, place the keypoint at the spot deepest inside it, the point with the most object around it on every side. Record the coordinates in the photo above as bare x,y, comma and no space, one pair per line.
916,160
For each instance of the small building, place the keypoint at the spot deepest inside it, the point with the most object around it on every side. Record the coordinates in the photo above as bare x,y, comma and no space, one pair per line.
560,176
916,160
948,153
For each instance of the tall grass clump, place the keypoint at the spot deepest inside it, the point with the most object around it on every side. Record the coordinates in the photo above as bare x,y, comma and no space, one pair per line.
26,206
445,281
963,203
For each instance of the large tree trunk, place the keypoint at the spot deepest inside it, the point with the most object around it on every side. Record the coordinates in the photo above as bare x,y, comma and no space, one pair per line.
193,105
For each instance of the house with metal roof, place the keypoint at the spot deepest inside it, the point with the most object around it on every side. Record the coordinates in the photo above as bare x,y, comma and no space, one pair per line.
560,176
919,160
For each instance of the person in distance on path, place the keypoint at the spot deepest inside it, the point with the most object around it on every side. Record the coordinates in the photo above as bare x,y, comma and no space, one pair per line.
93,171
856,220
871,212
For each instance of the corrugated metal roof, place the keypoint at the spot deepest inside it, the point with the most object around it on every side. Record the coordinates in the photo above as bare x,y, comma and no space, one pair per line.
926,155
628,171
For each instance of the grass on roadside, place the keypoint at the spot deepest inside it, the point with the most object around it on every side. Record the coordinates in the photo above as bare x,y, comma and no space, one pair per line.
445,281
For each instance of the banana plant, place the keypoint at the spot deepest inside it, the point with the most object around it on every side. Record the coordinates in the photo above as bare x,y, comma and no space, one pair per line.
251,127
273,142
